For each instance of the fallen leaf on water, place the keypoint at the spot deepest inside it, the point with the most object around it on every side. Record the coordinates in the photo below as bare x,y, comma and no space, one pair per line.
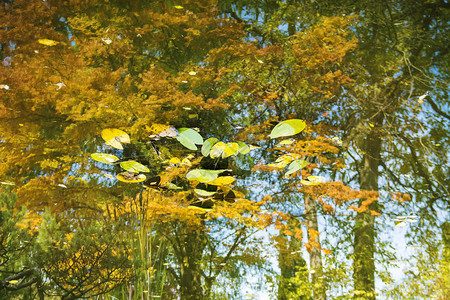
48,42
107,41
7,183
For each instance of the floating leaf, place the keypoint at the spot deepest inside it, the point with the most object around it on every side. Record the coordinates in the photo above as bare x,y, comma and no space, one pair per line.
7,183
173,186
174,161
207,145
295,166
224,150
107,175
253,147
200,209
186,162
371,125
203,175
405,219
204,193
189,138
59,85
134,166
282,161
169,132
178,7
337,141
191,134
114,137
422,98
287,128
285,142
217,150
313,180
186,142
224,180
192,73
400,224
107,41
130,177
104,158
243,148
62,185
14,281
230,149
48,42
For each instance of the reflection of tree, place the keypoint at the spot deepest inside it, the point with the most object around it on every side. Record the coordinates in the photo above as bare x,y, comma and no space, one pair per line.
92,260
16,271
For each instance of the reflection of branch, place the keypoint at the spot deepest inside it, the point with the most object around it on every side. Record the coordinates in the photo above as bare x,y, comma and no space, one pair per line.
35,275
253,29
392,174
420,169
239,239
436,108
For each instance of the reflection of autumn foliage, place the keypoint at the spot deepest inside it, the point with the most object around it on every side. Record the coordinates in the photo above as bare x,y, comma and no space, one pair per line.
91,261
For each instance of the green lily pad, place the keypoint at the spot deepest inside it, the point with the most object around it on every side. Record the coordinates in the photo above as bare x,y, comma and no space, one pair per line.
204,193
104,158
217,150
287,128
203,175
134,166
224,150
296,165
243,148
207,145
189,138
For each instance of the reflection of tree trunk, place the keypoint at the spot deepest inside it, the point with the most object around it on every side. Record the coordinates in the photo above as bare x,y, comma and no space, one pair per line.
291,265
190,252
315,255
364,240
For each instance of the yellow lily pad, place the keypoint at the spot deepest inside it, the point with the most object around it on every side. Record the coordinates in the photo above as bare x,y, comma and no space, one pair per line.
130,177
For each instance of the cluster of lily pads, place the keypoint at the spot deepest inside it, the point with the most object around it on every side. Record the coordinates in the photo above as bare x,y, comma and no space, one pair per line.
211,147
114,138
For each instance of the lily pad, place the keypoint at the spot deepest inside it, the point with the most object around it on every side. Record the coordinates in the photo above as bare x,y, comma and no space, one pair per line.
296,165
224,180
217,150
189,138
287,128
207,145
243,148
313,180
285,142
134,166
104,158
282,161
203,175
130,177
224,150
114,137
204,193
